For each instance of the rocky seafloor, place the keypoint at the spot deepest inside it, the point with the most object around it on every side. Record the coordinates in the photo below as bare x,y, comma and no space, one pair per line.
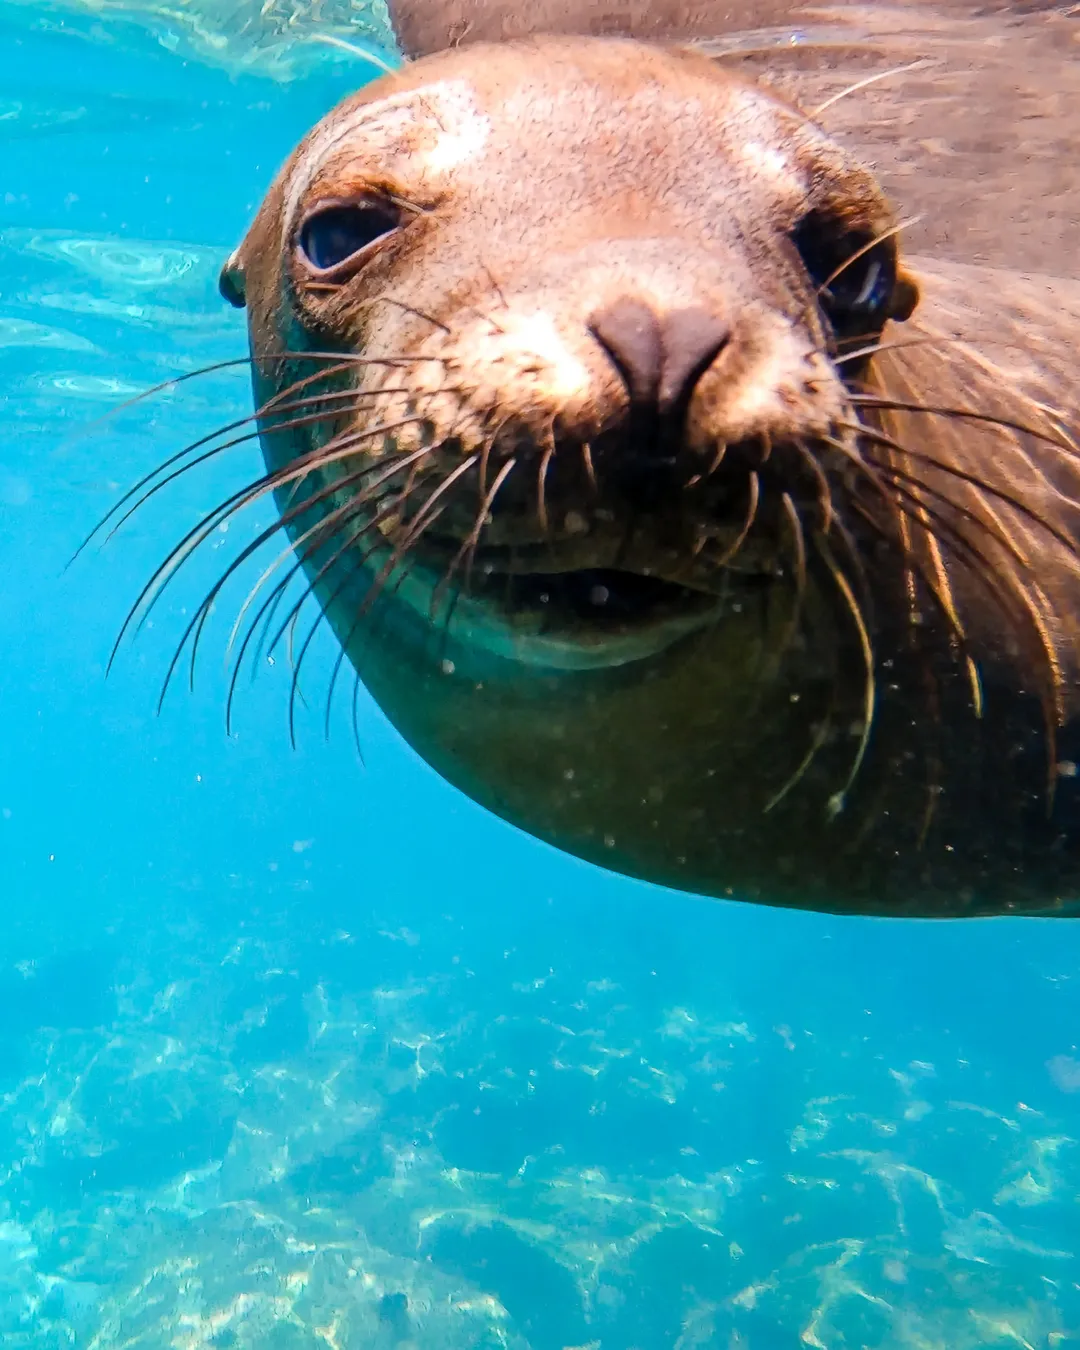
385,1138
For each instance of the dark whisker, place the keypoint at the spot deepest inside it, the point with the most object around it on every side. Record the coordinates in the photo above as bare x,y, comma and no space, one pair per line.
864,249
397,466
202,613
494,284
422,521
901,344
973,479
319,529
898,498
792,513
292,424
916,509
587,461
971,414
824,490
836,802
168,463
425,518
384,512
410,309
754,493
345,361
988,527
871,469
987,575
541,483
717,459
921,64
470,543
171,383
235,502
270,604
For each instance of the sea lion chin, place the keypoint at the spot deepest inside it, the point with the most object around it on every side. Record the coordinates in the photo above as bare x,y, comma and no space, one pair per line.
653,503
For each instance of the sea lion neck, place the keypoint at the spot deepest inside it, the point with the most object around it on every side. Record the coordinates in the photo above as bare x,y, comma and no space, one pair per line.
429,27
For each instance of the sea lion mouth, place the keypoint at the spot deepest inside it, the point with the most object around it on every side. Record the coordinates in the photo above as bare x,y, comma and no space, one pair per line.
595,602
606,577
566,617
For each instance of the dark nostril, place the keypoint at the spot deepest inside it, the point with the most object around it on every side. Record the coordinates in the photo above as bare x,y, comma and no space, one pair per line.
660,360
692,340
629,332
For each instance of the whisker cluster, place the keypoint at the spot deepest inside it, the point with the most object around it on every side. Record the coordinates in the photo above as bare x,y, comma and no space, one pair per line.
353,495
881,505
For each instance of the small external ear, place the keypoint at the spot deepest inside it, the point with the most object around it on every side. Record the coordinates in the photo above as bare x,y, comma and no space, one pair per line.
905,297
231,281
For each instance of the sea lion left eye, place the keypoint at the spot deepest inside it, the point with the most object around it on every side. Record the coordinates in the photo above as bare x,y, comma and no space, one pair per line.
854,275
331,236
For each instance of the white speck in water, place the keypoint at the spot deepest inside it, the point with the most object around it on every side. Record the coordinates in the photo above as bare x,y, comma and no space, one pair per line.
448,667
1066,769
599,595
568,774
575,523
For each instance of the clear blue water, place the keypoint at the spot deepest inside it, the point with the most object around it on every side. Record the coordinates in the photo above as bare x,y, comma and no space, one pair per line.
299,1052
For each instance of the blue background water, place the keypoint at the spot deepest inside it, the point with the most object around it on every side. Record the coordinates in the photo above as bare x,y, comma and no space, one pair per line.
299,1052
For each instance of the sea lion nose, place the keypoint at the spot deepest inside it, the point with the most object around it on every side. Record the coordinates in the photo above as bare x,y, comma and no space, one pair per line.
660,357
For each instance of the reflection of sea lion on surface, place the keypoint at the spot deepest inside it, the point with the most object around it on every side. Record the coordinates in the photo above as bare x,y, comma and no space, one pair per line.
660,506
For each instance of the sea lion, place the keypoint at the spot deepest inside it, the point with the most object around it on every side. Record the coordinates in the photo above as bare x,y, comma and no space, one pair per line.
664,508
425,28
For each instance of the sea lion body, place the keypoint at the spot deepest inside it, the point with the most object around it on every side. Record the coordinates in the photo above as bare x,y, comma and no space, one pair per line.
642,504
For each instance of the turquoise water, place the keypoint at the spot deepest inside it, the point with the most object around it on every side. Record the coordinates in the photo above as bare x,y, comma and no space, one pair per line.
301,1052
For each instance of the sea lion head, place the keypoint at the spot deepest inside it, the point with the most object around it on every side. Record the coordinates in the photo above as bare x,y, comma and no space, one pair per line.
583,292
577,382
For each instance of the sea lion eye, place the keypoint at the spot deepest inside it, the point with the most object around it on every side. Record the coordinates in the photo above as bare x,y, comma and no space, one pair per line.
855,277
330,236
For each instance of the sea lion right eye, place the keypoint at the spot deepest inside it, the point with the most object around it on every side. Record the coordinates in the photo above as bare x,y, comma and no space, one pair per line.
336,233
855,276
